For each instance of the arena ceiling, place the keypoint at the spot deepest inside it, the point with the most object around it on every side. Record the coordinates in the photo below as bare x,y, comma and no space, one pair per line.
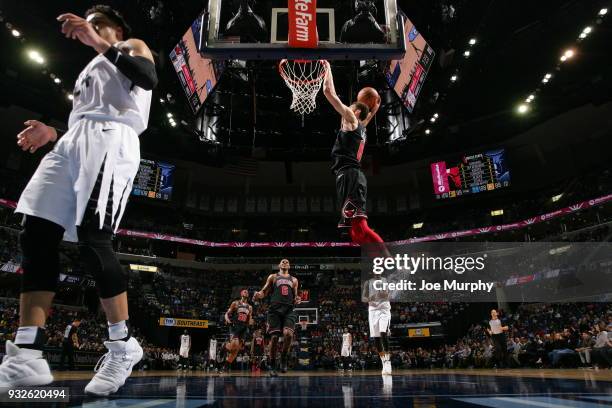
517,43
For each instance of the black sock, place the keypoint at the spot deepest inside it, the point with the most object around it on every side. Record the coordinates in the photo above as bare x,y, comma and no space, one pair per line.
39,340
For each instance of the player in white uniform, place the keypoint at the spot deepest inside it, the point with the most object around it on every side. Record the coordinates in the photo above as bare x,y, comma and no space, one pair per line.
345,352
184,350
79,192
379,317
212,353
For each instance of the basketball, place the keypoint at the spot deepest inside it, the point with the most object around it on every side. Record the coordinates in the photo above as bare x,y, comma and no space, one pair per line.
369,96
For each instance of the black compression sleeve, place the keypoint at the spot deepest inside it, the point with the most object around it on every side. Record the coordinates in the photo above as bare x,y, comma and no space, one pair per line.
139,70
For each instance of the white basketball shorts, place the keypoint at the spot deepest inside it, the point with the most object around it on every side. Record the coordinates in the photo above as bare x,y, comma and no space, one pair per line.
379,321
62,185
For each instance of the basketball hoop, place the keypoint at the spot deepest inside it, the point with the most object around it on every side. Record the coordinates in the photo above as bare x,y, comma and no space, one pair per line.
304,78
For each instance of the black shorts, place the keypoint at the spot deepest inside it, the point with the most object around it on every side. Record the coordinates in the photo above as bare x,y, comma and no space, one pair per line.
239,331
281,316
352,190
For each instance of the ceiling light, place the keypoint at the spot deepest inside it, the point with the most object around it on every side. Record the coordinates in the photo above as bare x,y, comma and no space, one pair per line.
587,30
417,225
472,41
495,213
557,197
453,78
169,114
548,76
57,80
466,53
70,97
522,108
432,120
36,57
435,115
16,33
427,131
603,12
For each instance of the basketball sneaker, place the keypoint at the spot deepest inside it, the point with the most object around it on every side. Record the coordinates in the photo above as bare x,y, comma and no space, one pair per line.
114,367
23,367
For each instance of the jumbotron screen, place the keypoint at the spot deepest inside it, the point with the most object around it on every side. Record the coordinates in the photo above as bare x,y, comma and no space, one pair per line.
154,180
406,76
470,174
198,76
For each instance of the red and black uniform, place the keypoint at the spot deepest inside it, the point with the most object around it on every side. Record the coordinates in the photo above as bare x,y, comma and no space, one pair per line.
258,346
351,184
241,319
280,313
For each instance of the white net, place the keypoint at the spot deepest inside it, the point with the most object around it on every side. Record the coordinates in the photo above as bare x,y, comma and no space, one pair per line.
304,78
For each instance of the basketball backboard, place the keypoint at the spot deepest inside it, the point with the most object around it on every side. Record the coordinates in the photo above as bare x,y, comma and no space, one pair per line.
249,29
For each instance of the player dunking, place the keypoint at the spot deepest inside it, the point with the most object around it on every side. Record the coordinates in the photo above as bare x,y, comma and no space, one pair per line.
79,192
243,318
281,317
379,317
345,351
351,184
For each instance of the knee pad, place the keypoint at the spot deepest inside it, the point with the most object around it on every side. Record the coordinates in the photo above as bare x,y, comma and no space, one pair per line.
39,243
97,254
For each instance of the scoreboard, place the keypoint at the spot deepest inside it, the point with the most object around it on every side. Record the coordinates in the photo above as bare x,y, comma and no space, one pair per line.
470,174
154,180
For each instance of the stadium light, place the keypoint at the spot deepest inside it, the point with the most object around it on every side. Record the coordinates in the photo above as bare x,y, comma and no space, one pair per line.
495,213
522,109
472,41
454,78
70,97
602,12
530,98
557,197
432,119
427,131
466,53
36,57
16,33
57,80
435,115
567,55
417,225
169,114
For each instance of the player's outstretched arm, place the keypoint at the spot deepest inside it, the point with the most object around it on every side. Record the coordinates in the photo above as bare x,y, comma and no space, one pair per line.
230,310
372,113
329,91
264,291
296,287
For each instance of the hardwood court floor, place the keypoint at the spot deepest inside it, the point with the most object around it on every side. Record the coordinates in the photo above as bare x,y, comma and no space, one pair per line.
526,388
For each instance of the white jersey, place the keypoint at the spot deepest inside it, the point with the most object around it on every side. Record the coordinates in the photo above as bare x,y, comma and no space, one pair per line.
212,349
346,339
185,341
377,299
103,93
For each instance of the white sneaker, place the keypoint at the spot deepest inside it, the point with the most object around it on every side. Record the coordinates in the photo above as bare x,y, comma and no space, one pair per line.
114,367
23,367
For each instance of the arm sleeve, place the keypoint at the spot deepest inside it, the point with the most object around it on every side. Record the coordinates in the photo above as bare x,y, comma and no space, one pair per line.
138,69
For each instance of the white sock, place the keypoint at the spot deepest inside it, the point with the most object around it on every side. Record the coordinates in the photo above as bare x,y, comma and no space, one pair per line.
26,335
117,331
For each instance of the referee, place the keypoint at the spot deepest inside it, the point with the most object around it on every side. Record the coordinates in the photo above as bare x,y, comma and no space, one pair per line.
498,335
71,341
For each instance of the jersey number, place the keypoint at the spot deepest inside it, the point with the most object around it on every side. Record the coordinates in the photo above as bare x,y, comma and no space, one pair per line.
242,317
284,290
